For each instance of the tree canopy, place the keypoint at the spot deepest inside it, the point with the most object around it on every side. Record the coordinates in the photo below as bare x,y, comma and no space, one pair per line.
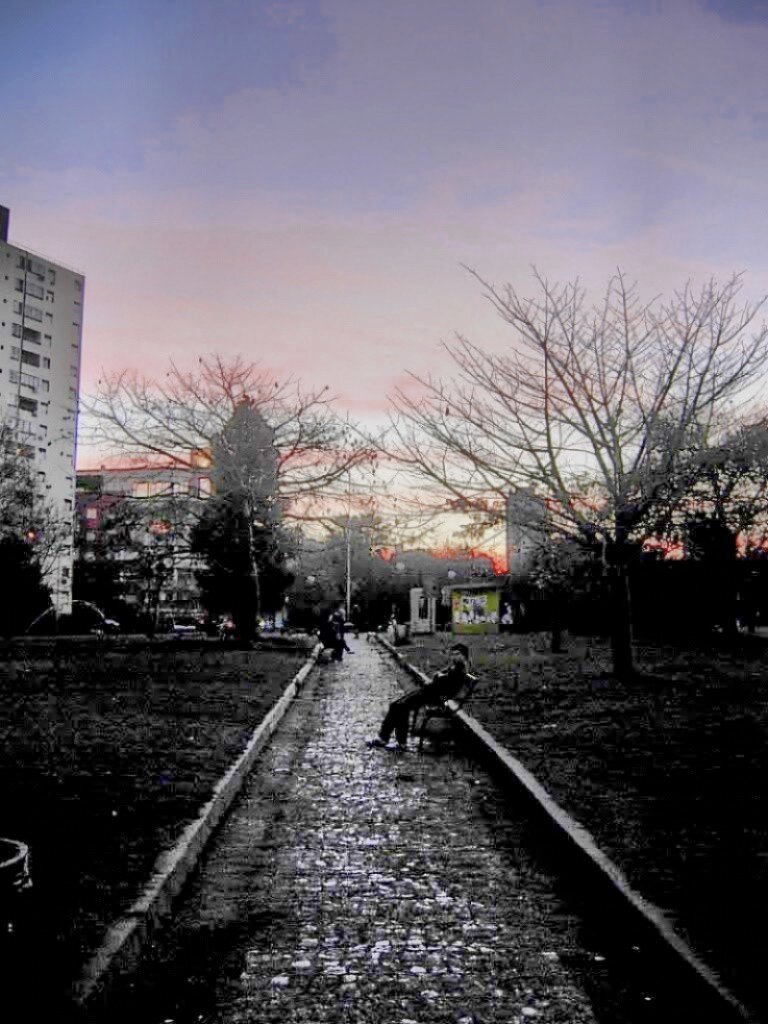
591,411
178,418
238,534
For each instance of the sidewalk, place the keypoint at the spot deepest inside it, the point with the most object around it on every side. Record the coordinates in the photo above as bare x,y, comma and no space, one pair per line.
360,885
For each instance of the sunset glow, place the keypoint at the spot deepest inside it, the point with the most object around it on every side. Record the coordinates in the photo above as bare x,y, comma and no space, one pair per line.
302,182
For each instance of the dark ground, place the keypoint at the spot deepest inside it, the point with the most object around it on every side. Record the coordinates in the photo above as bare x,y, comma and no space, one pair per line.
667,772
105,757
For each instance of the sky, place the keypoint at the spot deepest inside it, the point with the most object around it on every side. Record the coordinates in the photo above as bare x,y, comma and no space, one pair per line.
304,182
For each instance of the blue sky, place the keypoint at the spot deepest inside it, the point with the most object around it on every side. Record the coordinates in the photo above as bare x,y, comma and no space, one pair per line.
301,181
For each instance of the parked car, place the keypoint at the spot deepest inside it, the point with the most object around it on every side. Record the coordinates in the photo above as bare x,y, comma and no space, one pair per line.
183,627
106,627
15,880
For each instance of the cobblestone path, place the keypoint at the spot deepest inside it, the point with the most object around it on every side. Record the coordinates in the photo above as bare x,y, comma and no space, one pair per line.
362,885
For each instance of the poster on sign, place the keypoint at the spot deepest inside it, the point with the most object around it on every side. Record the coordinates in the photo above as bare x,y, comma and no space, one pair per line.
475,611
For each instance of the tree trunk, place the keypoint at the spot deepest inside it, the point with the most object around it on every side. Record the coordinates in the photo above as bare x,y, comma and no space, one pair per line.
729,603
621,624
255,574
556,624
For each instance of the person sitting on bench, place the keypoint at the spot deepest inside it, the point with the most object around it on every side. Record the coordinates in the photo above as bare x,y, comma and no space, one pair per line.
445,684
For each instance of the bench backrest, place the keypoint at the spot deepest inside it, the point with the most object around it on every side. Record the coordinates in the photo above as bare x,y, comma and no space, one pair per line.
467,690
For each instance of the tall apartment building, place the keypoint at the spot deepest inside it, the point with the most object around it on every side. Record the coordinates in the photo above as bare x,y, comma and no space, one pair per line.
41,322
526,528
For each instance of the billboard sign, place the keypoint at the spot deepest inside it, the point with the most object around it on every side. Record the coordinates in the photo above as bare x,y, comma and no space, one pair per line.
475,611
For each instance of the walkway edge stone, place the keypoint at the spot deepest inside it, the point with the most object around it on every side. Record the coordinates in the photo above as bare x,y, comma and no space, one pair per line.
580,841
127,936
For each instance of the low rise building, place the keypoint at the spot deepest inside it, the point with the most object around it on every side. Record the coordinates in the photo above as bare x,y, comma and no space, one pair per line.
140,518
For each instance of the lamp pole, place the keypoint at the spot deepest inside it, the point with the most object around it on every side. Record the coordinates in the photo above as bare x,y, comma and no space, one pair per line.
349,575
348,540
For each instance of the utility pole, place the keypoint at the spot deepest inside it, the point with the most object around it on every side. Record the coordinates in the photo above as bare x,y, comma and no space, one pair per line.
349,573
348,536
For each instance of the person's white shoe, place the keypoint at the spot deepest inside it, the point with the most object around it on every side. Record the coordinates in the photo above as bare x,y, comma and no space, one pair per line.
397,748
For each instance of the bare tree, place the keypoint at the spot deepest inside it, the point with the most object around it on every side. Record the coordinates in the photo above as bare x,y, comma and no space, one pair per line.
182,415
590,411
728,481
25,512
243,513
718,510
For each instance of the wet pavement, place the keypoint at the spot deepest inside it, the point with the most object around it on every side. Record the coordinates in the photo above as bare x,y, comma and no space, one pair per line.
362,885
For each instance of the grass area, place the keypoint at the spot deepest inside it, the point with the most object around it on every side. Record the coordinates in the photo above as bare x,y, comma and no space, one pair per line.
106,754
667,772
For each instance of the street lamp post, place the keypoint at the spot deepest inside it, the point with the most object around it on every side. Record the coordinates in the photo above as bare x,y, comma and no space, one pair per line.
348,553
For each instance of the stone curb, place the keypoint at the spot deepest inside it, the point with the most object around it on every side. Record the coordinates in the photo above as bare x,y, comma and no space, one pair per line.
578,840
126,938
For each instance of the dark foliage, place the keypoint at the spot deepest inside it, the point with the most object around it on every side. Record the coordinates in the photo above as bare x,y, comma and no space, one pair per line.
224,537
23,595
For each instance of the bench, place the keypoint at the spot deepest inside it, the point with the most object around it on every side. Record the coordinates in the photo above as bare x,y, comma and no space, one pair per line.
441,714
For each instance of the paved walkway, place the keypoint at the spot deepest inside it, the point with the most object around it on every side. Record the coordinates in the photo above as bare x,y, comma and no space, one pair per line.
361,885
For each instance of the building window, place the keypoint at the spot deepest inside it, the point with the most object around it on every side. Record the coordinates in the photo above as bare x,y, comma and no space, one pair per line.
28,404
45,385
72,393
27,380
51,276
73,371
15,353
35,290
48,296
24,428
33,312
46,363
30,358
28,334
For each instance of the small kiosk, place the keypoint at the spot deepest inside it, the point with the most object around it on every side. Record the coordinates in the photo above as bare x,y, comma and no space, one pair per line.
476,608
423,611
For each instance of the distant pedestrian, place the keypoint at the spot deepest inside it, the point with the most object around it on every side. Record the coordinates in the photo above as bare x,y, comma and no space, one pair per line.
444,685
339,642
327,634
